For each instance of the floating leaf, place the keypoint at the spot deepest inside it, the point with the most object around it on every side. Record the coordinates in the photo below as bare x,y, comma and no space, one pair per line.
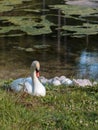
85,29
32,10
78,13
11,35
7,29
8,5
29,49
75,10
41,46
27,24
23,49
19,48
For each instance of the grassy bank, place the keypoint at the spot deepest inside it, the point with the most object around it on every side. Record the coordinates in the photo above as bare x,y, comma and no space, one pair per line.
63,108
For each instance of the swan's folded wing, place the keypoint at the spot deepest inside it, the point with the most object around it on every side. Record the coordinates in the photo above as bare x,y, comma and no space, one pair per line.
17,85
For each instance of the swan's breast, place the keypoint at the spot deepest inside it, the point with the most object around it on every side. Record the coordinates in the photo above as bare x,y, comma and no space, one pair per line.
39,89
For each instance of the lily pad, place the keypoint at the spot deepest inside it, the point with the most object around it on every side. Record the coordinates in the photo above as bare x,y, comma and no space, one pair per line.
29,49
8,5
36,10
85,29
23,49
11,35
28,24
41,46
75,10
32,10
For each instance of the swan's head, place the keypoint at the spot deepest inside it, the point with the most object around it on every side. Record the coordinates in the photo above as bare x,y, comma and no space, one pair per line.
36,67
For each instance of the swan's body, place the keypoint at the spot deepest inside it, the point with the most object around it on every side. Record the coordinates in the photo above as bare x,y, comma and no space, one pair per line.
82,82
55,81
65,81
22,84
43,80
31,85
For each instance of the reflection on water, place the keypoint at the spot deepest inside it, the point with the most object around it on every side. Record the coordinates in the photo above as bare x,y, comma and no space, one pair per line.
88,65
63,56
70,59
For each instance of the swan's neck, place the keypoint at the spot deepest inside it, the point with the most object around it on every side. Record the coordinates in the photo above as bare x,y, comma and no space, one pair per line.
34,77
35,81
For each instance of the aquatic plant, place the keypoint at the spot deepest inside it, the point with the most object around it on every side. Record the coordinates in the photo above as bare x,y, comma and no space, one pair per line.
28,24
32,21
8,5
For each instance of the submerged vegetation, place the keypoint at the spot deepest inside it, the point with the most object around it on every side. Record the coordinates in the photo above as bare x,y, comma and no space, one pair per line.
63,108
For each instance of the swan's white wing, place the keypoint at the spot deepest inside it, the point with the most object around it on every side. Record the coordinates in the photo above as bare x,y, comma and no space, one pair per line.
29,79
17,84
24,84
28,87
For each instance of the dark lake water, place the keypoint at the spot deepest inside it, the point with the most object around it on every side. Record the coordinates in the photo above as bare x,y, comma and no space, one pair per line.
59,55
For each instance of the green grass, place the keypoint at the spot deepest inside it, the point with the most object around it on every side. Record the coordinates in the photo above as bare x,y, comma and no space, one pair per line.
63,108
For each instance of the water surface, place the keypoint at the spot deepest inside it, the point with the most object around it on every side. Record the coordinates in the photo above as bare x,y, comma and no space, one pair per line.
58,55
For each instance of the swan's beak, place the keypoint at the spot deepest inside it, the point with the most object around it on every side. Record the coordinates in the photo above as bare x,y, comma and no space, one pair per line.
37,73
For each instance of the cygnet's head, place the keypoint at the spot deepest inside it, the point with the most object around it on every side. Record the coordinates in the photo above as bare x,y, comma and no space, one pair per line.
36,67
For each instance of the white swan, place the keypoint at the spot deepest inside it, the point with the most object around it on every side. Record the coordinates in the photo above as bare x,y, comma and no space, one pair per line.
56,81
31,85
